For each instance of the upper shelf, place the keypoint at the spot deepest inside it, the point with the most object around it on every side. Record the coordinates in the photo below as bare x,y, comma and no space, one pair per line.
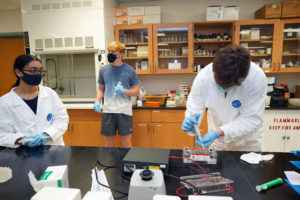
291,54
218,41
260,55
291,39
134,58
178,42
136,44
259,40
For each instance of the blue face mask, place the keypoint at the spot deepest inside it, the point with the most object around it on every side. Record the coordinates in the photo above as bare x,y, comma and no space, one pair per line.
32,79
222,90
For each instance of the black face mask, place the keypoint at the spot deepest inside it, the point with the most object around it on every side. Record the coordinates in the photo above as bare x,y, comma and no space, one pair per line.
32,79
111,57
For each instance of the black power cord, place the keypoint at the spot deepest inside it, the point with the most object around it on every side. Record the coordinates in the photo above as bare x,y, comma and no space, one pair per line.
124,194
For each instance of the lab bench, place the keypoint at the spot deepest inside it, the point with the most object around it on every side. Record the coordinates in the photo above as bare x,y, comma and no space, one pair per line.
81,160
161,128
152,127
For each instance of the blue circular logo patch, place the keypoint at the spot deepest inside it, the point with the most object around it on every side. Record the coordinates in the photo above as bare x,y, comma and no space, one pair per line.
236,104
49,117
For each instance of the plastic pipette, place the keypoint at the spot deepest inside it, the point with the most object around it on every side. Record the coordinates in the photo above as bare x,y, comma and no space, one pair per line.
199,135
119,84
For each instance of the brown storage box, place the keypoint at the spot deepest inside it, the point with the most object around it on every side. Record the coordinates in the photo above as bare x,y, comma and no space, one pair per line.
290,9
269,11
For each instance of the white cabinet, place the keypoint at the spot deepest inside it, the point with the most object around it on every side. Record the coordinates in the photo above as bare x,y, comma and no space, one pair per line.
281,130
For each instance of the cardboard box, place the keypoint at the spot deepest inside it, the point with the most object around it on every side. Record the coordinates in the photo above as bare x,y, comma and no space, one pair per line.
135,11
49,193
131,53
152,10
290,9
136,20
120,12
56,176
121,20
142,51
269,11
174,65
231,13
214,13
152,19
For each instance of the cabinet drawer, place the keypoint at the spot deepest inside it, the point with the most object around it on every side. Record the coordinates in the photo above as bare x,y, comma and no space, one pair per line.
167,115
141,115
84,115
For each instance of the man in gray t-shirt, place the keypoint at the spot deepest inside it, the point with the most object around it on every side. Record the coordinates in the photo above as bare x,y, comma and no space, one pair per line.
117,82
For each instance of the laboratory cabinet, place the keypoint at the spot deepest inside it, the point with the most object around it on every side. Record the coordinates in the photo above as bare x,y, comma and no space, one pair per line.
151,128
138,41
281,130
173,48
290,45
187,47
84,129
157,48
209,37
262,38
273,44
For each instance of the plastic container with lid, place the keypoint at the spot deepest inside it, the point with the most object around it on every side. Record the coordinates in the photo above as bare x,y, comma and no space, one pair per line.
286,90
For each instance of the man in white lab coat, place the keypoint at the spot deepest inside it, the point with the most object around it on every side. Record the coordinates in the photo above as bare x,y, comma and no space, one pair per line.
31,115
233,89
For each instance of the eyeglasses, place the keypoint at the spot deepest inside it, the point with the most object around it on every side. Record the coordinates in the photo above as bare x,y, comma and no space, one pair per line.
35,71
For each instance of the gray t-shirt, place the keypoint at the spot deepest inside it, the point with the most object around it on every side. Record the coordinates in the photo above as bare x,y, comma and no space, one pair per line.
109,76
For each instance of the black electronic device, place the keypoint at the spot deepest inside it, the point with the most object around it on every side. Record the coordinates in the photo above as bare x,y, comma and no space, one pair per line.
146,158
278,101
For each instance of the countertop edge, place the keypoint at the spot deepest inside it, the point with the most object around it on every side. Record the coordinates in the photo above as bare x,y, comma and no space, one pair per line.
91,106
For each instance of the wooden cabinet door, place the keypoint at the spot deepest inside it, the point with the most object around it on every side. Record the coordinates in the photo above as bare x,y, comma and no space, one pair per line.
10,48
173,48
67,136
164,135
289,47
86,133
258,36
139,46
141,136
168,115
141,115
183,139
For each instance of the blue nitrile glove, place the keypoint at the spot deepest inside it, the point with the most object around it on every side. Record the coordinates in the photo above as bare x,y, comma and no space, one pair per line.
97,106
188,123
45,138
37,140
119,89
208,139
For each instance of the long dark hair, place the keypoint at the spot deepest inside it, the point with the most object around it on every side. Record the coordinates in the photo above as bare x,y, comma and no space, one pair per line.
20,62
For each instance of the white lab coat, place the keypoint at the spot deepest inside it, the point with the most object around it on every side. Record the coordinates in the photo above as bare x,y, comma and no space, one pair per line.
242,125
18,120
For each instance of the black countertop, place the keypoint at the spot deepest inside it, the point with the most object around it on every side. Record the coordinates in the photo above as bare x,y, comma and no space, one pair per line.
81,160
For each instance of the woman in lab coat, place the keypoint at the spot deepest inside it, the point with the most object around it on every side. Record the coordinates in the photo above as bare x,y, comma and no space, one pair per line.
233,89
31,115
